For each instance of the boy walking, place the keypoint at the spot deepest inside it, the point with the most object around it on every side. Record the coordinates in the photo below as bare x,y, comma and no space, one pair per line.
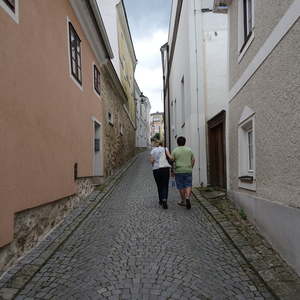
184,163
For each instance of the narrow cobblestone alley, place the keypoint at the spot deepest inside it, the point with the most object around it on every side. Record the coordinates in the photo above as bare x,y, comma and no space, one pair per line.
130,248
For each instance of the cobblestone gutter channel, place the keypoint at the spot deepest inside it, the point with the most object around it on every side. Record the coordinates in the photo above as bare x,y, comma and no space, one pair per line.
280,279
12,281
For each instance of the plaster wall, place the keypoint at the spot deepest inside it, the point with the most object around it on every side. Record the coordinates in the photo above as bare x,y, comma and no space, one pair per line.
200,59
127,67
216,63
109,15
45,118
267,14
184,66
172,21
273,94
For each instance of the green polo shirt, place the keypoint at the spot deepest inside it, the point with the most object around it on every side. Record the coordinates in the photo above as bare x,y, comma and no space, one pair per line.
183,159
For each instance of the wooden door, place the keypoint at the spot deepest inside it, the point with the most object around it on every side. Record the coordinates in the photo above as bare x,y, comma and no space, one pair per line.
217,150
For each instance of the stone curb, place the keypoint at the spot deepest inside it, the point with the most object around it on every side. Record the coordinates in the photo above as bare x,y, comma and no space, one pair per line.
287,288
13,281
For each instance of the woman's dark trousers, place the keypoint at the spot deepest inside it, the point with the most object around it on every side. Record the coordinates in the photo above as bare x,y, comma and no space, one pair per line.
161,177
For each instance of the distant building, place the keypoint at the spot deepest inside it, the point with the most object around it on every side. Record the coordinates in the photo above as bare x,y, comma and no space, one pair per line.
157,125
143,108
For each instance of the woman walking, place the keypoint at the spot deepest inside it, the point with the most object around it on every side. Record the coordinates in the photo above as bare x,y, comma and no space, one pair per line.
161,171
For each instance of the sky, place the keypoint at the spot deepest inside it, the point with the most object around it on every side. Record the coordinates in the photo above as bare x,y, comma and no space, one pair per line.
149,25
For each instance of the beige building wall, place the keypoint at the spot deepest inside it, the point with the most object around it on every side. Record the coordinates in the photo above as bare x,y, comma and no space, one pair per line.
46,123
272,93
127,61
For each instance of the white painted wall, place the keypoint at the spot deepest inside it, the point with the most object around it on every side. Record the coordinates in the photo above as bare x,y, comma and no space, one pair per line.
201,57
108,12
216,71
142,119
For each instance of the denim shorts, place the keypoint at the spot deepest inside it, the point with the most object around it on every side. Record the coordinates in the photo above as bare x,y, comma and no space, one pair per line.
183,180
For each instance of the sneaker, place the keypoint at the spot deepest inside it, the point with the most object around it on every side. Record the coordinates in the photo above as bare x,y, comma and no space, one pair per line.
160,202
165,204
188,203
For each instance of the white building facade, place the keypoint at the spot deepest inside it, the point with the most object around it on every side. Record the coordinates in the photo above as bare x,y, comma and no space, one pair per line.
264,118
196,86
143,108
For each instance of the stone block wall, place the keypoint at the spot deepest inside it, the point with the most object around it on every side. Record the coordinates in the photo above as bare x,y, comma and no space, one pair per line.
33,224
119,144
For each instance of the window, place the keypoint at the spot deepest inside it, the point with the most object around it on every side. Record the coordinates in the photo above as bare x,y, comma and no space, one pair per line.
12,8
245,25
250,150
11,4
246,135
247,15
75,54
97,80
110,118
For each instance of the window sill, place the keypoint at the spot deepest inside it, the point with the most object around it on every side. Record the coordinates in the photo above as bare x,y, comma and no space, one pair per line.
96,93
247,182
247,45
76,82
246,179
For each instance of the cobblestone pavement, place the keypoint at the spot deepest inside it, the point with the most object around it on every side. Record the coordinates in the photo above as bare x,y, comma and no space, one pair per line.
130,248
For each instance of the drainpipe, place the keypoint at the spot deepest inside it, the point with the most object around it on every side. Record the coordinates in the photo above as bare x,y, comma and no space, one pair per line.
197,88
169,115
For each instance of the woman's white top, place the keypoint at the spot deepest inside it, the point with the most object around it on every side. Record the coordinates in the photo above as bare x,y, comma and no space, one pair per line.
156,154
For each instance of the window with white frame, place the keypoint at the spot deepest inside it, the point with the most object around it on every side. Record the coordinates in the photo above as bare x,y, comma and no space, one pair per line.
246,135
97,86
245,24
110,118
250,149
12,8
75,54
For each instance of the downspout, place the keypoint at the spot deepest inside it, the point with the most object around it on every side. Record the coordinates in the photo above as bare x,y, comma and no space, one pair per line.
164,90
197,88
169,115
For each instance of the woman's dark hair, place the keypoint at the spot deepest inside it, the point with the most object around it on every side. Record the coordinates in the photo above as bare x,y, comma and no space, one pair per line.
181,141
161,144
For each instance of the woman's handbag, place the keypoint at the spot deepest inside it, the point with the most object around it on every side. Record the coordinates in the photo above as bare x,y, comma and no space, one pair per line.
170,161
163,162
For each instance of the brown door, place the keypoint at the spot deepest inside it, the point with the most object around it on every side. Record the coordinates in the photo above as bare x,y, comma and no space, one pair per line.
217,159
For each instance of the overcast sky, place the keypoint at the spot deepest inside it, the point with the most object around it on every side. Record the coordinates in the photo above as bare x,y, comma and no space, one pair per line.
149,23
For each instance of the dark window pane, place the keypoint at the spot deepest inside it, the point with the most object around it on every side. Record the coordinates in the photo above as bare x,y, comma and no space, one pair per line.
75,54
96,80
11,4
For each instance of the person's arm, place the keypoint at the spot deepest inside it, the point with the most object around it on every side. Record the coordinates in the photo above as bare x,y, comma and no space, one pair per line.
151,159
169,154
193,160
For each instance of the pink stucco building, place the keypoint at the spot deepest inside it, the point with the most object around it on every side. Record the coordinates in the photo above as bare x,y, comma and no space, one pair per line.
53,56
